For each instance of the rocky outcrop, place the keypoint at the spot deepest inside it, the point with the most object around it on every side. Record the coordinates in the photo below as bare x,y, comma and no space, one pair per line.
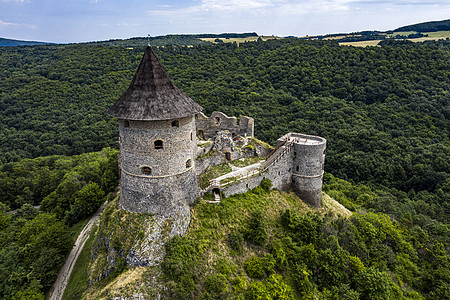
126,239
149,250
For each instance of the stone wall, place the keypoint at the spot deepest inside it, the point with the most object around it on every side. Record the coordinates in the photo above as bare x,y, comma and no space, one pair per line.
207,128
299,167
279,173
157,180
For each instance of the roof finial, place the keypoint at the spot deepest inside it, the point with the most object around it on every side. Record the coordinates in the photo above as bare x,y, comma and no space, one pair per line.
148,39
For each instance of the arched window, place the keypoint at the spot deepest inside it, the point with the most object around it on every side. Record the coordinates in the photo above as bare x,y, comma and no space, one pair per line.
126,123
176,123
217,120
188,163
146,170
159,144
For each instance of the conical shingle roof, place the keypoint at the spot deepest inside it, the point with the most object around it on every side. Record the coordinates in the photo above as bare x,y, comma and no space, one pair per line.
152,95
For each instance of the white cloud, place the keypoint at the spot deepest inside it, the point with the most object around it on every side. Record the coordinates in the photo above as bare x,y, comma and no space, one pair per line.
258,7
128,24
18,1
5,25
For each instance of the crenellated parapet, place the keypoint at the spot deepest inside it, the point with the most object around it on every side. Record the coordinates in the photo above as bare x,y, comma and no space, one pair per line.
208,127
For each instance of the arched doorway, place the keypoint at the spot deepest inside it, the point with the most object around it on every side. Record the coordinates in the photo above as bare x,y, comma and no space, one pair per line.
216,194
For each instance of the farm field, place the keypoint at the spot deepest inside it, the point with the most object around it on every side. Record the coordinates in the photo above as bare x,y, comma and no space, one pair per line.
432,36
241,40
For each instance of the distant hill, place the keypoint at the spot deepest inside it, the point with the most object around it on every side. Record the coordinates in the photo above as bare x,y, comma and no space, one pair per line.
427,26
9,42
172,39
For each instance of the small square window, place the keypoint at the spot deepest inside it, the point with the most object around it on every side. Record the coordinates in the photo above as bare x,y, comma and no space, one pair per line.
159,144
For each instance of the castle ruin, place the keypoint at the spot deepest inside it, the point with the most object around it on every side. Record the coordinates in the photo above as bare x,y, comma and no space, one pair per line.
166,142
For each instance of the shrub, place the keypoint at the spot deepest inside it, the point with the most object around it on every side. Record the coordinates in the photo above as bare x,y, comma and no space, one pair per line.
236,241
373,284
301,277
257,233
266,184
278,289
180,258
87,201
255,268
180,266
257,291
216,285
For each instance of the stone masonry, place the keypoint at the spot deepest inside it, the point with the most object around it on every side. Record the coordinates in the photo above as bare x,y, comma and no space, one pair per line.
208,128
296,164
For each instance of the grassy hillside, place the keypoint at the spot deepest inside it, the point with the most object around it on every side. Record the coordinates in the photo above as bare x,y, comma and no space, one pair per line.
270,245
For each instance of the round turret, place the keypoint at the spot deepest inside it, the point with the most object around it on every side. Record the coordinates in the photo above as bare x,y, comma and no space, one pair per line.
309,159
157,139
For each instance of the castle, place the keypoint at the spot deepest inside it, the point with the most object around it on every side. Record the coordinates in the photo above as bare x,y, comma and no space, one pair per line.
166,142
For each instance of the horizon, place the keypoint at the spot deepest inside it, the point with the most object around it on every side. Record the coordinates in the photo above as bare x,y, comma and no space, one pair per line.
75,21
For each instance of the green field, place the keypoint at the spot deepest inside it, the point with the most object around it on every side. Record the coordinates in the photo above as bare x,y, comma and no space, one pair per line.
241,40
432,36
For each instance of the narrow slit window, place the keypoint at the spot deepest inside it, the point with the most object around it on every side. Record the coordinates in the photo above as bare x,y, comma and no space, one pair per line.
159,144
227,155
176,123
146,170
188,163
217,120
298,168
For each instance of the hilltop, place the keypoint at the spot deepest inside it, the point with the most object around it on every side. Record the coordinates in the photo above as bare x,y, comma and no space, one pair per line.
432,26
428,31
383,111
10,42
263,244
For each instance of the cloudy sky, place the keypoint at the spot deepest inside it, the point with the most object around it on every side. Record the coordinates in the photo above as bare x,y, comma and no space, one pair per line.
90,20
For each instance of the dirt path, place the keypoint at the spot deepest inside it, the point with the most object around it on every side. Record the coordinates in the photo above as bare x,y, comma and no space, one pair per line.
60,284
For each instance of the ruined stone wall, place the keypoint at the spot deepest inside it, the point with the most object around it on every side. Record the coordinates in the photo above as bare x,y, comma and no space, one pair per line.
207,128
157,180
300,168
279,173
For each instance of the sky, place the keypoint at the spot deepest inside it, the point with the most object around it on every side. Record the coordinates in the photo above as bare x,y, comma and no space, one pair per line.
68,21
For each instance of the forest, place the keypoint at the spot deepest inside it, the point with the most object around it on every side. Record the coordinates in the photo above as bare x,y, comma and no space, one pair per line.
427,26
383,110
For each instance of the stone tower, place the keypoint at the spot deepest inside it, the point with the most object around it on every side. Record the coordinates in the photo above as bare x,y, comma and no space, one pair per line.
157,139
307,173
